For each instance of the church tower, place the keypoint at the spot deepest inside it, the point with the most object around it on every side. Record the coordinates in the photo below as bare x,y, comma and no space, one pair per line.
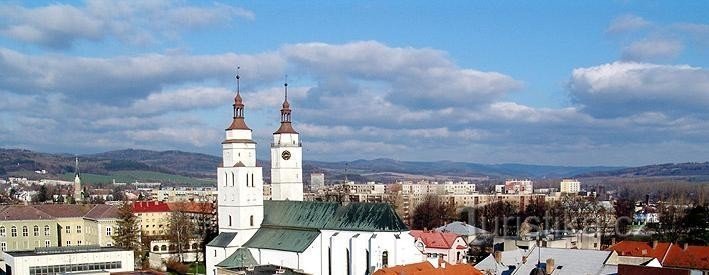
239,179
78,191
286,158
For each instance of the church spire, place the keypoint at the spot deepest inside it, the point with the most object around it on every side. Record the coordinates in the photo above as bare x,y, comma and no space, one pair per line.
76,167
238,123
286,127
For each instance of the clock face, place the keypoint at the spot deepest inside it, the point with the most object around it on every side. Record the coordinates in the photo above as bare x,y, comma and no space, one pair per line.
285,155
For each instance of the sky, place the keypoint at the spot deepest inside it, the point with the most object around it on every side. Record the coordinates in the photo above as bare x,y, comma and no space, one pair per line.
554,82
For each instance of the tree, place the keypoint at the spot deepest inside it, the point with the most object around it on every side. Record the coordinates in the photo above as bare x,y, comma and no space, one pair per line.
624,216
42,194
128,234
696,224
432,212
181,229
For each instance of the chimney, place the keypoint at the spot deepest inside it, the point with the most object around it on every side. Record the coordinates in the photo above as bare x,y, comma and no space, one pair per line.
654,244
550,266
425,229
685,246
498,256
612,241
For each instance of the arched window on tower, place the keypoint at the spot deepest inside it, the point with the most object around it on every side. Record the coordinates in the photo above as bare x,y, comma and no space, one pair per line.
251,220
233,178
366,255
347,259
252,180
226,178
247,180
229,220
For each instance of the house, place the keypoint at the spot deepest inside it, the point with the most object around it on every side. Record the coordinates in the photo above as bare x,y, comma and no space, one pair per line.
557,261
438,245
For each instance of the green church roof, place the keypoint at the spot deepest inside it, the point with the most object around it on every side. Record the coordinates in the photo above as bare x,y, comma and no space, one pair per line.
294,240
223,239
332,216
240,258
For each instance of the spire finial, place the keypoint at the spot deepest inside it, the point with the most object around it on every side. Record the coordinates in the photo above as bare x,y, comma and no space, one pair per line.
237,79
286,87
76,165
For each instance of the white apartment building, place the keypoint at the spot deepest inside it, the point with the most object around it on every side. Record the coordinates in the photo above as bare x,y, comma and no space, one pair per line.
570,186
519,187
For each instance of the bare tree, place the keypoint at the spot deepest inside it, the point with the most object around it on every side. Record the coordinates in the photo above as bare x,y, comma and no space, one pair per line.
181,230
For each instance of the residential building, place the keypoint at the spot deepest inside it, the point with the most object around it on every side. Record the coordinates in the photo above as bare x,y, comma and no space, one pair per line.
26,227
317,181
519,187
557,261
436,245
153,217
569,186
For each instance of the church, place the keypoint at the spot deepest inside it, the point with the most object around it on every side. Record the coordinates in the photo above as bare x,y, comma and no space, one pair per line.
305,237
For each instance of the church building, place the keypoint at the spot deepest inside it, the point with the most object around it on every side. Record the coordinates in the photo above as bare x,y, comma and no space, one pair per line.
306,237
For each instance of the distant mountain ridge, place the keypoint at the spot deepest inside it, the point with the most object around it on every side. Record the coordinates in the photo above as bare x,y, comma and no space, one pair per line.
202,166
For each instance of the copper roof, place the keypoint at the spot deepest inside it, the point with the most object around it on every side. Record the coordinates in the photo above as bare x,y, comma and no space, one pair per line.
286,128
238,124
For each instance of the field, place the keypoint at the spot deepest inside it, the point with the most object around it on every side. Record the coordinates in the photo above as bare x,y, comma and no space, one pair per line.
142,176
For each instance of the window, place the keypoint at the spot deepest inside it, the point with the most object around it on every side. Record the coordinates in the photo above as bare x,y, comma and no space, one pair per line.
252,180
247,180
3,246
252,220
108,231
215,252
68,243
156,248
232,178
67,229
78,242
109,244
385,258
47,243
25,231
2,231
35,231
347,259
78,229
229,220
163,247
46,230
194,246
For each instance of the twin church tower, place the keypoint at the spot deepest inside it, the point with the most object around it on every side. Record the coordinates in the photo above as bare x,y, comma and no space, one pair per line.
240,180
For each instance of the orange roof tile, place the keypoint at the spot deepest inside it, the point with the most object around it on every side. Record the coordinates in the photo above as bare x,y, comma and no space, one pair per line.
640,249
435,239
425,268
691,257
150,206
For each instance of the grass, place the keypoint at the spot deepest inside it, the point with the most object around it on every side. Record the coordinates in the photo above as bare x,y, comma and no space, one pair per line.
201,268
136,175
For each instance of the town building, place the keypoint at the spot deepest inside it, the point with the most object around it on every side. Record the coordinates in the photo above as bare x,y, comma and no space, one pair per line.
304,236
26,227
519,187
153,217
90,259
317,181
569,186
557,261
673,255
426,268
436,245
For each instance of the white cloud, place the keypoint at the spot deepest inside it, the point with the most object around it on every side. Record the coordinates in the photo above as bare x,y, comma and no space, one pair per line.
627,23
623,88
653,49
60,26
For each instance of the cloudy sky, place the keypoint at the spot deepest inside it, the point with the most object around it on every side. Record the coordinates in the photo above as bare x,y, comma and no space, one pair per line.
614,83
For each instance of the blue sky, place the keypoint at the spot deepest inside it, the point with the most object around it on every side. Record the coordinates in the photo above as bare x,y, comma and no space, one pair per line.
563,82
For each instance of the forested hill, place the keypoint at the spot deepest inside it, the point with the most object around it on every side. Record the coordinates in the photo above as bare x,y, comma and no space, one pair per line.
657,170
203,166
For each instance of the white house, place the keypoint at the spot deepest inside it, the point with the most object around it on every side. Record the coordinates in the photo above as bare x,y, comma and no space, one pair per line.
68,259
310,237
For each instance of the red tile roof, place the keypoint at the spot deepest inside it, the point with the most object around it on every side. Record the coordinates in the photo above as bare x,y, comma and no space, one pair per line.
426,268
150,206
192,207
435,239
640,249
692,257
669,254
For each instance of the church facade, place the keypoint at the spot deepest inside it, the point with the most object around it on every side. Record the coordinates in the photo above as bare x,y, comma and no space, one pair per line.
304,236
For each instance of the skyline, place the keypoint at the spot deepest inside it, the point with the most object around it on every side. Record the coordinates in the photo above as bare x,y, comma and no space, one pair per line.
619,83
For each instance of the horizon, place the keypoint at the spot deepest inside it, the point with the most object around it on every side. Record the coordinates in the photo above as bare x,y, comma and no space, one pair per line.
617,83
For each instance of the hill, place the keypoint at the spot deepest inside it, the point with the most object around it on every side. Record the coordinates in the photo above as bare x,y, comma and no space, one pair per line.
180,167
696,169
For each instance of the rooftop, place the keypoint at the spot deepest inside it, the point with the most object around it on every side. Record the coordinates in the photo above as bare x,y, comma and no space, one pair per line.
65,250
435,239
426,268
669,254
